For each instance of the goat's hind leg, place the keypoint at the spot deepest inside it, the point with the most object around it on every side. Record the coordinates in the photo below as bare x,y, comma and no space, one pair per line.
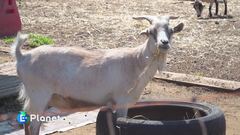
217,5
225,4
37,106
26,129
210,9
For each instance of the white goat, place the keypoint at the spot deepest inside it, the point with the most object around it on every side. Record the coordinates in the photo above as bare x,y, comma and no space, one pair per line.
198,6
73,78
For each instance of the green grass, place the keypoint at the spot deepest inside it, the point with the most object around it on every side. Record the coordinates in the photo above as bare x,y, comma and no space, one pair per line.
199,74
8,40
36,40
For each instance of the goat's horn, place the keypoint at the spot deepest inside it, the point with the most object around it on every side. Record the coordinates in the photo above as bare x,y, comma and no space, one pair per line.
169,17
150,19
173,17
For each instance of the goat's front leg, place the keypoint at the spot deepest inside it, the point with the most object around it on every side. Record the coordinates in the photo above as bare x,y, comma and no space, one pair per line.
122,111
216,3
210,9
35,127
110,123
32,128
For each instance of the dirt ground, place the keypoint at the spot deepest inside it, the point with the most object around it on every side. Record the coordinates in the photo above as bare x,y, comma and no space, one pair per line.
206,47
160,90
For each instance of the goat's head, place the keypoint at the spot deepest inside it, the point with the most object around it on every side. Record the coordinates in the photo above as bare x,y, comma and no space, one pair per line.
160,31
198,6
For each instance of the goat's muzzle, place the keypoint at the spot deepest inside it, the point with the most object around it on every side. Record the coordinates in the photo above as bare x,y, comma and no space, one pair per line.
163,46
166,47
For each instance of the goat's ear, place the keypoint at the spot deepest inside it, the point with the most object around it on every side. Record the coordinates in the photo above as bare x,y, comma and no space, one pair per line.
178,28
144,32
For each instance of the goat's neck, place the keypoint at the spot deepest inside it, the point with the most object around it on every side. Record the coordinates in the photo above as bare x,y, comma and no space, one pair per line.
149,59
149,54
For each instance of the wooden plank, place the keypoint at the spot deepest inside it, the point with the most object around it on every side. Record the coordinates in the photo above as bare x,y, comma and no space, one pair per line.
187,79
10,88
9,82
7,77
3,77
9,92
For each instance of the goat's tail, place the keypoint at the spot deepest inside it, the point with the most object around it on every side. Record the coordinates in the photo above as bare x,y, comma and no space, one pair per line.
16,47
23,98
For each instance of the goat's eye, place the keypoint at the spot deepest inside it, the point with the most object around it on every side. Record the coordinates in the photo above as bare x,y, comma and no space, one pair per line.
152,32
196,6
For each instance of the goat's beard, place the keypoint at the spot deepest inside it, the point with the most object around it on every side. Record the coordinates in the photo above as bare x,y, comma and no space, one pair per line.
161,67
161,62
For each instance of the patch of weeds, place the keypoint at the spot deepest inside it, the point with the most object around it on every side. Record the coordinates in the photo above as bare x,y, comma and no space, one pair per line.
201,74
36,40
8,40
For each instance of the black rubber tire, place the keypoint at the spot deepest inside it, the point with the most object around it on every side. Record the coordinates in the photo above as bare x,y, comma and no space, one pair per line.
166,119
101,124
